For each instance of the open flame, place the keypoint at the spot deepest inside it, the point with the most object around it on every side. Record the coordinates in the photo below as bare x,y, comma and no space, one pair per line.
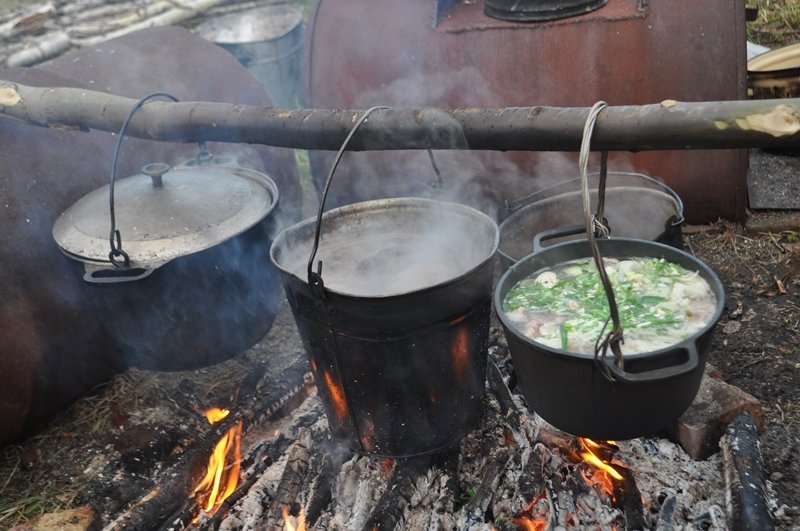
222,473
536,516
290,523
593,454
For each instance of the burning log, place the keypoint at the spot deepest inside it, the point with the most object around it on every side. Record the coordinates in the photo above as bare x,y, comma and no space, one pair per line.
667,125
291,481
171,500
744,476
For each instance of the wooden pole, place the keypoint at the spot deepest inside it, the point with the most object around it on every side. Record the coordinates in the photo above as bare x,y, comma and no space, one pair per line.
661,126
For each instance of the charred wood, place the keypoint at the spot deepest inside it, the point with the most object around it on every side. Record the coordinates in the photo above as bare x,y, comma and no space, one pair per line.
629,500
319,489
668,125
294,474
388,513
475,510
666,515
745,480
266,454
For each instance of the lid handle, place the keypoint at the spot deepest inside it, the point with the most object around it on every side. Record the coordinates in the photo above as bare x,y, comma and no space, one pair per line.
155,170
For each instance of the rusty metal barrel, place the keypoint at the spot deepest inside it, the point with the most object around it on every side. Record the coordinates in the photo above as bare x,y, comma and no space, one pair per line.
452,54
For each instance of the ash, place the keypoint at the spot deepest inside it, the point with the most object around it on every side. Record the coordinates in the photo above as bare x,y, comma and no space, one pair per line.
513,470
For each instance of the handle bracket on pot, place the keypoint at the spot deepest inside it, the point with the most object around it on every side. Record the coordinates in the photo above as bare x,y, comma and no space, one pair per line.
116,276
559,232
663,373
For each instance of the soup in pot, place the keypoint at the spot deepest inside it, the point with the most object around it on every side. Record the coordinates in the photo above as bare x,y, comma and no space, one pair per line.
660,304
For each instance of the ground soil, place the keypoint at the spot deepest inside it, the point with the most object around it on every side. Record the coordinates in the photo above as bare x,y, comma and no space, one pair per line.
757,344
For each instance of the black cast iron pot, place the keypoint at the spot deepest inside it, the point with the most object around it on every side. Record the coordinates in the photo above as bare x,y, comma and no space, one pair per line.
197,286
569,391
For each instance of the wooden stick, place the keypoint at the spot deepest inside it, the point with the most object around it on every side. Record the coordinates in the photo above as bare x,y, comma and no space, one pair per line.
745,480
667,125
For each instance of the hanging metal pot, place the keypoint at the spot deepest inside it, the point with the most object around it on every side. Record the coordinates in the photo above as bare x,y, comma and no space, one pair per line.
570,391
185,280
597,395
397,332
637,206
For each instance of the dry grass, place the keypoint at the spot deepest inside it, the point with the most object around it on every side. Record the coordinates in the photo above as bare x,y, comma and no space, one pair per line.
777,23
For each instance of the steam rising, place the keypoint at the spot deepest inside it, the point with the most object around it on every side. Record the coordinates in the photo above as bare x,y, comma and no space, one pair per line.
391,247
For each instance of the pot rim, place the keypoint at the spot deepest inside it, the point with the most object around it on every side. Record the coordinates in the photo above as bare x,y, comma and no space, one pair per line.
350,209
520,217
710,276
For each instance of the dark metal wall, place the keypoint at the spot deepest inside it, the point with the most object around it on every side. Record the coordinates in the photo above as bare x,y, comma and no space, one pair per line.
420,53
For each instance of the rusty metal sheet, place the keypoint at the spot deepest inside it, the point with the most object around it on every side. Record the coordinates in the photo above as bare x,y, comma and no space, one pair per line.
415,54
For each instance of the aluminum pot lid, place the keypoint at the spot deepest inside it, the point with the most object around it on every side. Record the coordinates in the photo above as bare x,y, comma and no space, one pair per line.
164,213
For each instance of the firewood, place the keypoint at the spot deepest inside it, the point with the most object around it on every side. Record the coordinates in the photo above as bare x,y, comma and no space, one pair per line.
745,480
294,473
110,19
665,516
27,22
628,498
475,510
48,46
319,489
267,452
179,13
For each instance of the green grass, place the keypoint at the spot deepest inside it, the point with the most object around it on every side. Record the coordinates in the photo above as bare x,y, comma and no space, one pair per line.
777,23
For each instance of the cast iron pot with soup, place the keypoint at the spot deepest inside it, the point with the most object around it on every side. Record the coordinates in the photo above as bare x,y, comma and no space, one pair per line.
569,390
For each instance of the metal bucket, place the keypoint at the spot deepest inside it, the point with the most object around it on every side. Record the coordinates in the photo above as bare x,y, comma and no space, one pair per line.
636,206
268,41
397,336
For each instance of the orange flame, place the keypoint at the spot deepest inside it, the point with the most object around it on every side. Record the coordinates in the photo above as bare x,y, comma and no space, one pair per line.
336,393
530,525
291,523
215,414
222,473
534,517
608,472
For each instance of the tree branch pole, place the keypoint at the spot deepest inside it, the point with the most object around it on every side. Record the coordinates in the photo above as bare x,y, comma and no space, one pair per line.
665,125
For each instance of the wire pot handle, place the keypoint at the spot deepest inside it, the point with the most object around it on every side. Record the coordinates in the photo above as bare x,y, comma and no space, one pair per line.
116,256
315,277
594,228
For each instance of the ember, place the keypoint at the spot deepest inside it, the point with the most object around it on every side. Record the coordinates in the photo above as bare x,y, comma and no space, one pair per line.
292,523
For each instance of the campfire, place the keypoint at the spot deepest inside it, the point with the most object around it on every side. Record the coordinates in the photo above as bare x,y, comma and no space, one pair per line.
267,460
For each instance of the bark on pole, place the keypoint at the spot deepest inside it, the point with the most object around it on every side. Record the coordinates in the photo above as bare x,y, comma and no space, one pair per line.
661,126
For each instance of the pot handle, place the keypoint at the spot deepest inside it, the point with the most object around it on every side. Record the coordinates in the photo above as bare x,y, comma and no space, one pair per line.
315,277
116,276
692,359
558,232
